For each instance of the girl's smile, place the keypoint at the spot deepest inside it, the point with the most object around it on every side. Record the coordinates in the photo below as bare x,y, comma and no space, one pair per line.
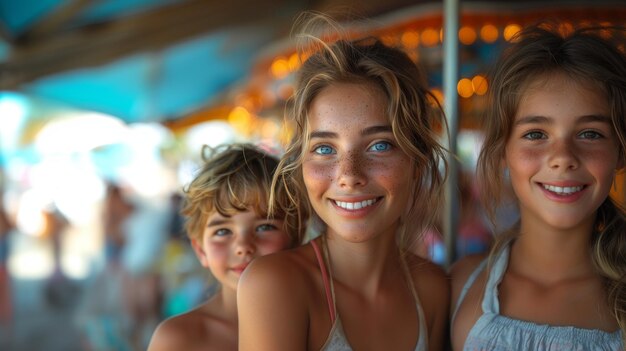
562,152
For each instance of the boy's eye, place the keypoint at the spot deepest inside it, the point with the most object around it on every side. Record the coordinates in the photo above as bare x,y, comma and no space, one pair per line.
222,232
534,135
590,134
380,146
324,150
266,227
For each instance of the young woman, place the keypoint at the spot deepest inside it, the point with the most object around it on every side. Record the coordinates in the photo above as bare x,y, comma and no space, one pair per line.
364,163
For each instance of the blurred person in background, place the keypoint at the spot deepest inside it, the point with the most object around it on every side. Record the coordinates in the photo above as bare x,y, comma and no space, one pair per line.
183,280
121,305
6,313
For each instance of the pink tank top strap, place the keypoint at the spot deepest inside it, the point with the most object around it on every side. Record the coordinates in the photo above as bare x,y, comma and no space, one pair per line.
325,279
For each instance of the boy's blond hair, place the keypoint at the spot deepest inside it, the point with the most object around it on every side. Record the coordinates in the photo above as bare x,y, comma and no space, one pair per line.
234,178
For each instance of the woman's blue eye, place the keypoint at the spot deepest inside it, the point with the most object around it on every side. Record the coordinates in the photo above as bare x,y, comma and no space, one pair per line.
381,146
324,150
590,134
534,135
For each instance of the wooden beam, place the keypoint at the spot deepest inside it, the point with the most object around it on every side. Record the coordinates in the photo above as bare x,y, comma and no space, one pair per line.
53,22
149,31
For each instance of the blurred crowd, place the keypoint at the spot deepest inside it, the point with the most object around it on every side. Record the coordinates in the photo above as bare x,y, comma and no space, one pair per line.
146,272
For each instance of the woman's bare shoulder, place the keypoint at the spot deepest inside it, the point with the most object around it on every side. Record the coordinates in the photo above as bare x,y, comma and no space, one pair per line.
283,266
274,296
284,278
425,270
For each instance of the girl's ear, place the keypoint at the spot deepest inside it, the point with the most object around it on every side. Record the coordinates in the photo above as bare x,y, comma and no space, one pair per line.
199,251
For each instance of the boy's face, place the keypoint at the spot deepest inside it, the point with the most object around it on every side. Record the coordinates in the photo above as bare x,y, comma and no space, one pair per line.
228,244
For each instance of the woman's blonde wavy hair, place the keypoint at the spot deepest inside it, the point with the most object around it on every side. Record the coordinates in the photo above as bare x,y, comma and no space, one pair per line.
414,113
588,56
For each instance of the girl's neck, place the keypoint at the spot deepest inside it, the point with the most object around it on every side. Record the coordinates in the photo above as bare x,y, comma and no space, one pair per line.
550,255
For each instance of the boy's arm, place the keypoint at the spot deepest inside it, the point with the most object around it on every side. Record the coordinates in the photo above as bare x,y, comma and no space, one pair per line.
272,307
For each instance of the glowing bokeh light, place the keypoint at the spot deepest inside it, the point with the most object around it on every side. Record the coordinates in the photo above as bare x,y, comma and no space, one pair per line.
479,85
489,33
464,87
467,35
510,31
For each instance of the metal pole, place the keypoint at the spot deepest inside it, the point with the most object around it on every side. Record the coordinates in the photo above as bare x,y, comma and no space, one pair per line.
451,108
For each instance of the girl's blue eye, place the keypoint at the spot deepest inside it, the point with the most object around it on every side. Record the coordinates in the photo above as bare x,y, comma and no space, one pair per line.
324,150
534,135
381,146
590,134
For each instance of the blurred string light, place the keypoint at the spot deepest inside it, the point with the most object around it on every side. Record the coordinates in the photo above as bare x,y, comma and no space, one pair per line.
511,30
430,37
464,88
410,39
468,87
489,33
479,85
467,35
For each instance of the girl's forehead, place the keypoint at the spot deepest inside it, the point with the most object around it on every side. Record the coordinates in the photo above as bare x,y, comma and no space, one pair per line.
559,80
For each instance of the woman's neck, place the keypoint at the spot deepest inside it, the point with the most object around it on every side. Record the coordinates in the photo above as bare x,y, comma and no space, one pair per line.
363,265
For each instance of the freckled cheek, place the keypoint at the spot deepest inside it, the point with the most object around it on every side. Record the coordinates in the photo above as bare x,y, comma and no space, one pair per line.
317,174
390,173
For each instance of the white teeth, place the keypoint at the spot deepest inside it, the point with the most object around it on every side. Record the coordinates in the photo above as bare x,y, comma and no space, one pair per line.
355,205
563,190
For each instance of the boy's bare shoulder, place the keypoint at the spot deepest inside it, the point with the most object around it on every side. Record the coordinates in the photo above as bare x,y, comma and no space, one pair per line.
182,332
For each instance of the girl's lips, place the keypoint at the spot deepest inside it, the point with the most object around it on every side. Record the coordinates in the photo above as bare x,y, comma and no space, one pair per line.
564,192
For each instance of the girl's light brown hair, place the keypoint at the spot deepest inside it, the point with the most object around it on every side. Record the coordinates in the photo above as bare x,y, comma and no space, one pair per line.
413,113
233,178
589,56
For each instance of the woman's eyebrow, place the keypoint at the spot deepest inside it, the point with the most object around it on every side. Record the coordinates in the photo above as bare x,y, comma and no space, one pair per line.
323,135
376,130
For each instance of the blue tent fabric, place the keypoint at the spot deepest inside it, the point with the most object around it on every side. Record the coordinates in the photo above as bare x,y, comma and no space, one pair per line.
155,86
